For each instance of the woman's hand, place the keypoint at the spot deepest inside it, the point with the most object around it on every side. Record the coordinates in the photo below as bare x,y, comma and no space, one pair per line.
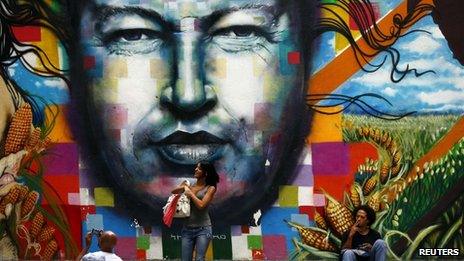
179,189
188,192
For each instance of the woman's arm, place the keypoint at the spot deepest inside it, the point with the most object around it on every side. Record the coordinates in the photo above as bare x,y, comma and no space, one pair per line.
179,189
201,203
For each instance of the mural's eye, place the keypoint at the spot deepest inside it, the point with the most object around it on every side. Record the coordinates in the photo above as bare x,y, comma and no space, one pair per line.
242,38
133,41
128,35
241,31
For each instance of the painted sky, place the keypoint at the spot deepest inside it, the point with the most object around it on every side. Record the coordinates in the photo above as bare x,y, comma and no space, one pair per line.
433,92
438,92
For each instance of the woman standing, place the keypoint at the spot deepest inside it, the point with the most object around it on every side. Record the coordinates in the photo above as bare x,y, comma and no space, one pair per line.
197,232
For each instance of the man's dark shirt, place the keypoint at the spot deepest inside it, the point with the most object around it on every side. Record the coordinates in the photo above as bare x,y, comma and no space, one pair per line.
359,239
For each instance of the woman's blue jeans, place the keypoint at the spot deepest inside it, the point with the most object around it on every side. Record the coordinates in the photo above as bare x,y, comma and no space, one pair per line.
195,237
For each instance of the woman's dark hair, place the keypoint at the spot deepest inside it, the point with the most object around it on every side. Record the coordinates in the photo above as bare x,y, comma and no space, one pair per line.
212,178
369,211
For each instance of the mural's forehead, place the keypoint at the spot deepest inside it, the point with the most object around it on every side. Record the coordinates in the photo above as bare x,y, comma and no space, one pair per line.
177,9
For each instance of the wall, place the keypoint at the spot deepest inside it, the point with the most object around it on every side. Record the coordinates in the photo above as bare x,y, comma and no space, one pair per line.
120,116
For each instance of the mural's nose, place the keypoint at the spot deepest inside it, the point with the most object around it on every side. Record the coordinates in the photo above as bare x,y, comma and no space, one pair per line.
188,92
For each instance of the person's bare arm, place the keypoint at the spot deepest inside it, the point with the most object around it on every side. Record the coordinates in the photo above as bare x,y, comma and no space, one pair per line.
349,241
179,189
201,203
88,242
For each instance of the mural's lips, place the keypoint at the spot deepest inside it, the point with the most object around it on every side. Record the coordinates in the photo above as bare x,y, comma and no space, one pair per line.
190,148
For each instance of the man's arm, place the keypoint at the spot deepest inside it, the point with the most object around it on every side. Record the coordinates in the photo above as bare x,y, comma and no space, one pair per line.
348,244
88,242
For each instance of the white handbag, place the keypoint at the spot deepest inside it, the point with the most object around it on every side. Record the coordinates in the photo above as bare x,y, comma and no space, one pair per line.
182,206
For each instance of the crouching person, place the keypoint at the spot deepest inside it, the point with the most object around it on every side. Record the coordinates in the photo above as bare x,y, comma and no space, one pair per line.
361,242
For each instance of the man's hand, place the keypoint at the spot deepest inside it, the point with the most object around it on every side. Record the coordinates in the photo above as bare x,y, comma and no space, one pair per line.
366,247
88,239
354,229
88,242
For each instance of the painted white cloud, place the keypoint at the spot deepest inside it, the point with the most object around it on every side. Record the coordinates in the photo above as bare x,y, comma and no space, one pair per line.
390,91
375,79
331,43
438,64
422,44
435,31
442,97
55,83
448,74
446,107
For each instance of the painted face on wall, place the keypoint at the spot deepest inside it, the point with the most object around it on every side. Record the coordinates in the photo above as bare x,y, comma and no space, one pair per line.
173,83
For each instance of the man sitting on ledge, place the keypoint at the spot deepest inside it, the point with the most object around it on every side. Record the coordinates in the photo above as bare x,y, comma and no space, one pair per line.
361,242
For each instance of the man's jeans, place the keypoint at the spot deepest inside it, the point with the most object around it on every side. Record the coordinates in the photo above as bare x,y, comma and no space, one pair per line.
198,237
377,253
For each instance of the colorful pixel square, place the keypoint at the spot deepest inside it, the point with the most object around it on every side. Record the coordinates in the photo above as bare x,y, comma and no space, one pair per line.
104,197
74,199
86,210
328,126
94,221
294,57
116,115
288,196
125,248
236,230
156,249
89,62
62,159
62,184
301,219
255,242
332,185
27,33
257,254
262,116
305,196
304,176
275,247
240,249
330,158
309,210
143,242
141,254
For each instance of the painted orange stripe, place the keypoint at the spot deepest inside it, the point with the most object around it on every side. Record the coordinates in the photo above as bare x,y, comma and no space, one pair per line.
343,66
437,152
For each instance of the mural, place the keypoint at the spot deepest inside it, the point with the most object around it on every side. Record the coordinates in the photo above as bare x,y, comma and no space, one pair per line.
306,108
